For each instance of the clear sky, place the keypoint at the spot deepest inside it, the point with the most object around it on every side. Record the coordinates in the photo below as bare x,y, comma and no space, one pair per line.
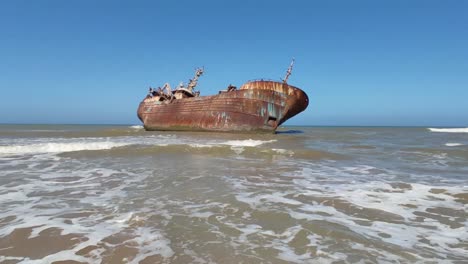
361,62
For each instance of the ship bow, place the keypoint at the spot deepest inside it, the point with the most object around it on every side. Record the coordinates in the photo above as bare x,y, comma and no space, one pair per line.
297,102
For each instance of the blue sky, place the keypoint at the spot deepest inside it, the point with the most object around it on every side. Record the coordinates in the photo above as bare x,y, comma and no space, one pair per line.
360,62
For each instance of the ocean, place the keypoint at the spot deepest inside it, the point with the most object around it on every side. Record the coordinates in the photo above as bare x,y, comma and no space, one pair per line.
119,194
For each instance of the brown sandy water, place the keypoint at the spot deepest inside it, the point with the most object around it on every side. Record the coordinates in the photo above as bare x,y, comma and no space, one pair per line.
118,194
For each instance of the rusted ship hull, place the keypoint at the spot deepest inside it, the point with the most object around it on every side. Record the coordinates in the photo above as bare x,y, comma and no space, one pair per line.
257,106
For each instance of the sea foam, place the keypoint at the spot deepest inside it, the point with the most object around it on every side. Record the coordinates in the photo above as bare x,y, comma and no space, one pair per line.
53,147
449,130
247,143
453,144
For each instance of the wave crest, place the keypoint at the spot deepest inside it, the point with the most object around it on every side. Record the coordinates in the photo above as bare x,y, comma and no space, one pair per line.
53,147
247,143
453,144
450,130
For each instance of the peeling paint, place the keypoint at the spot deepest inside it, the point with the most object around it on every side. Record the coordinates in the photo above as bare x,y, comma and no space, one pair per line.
256,106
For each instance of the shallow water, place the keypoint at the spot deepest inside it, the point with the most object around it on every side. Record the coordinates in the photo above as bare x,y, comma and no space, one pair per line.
119,194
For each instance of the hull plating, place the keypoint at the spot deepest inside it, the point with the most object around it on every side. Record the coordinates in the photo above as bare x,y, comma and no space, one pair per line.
256,106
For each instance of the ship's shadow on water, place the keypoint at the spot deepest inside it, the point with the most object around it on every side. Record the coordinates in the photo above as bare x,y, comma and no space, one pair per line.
290,132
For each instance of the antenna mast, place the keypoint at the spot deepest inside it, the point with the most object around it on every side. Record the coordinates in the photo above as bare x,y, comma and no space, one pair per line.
193,82
285,80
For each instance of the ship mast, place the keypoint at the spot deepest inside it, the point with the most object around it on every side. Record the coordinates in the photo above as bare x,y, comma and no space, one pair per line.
193,82
285,80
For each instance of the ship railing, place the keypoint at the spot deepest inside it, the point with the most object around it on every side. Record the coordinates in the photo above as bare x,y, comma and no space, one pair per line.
262,79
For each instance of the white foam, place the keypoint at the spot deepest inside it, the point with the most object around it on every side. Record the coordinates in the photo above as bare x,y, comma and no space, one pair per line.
13,196
137,127
284,151
396,208
238,150
247,143
201,210
245,230
196,145
107,197
40,211
151,242
59,145
453,144
53,147
449,130
238,146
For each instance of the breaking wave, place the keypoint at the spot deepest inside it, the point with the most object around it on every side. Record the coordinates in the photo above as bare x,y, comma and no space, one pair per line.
232,143
61,145
247,143
137,127
453,144
449,130
54,147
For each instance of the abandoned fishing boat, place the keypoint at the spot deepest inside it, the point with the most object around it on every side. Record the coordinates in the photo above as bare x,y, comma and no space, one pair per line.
257,106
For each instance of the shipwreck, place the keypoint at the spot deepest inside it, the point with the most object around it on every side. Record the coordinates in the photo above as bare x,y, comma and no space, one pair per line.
257,106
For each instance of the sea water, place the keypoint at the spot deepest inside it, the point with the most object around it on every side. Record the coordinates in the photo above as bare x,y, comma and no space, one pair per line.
119,194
